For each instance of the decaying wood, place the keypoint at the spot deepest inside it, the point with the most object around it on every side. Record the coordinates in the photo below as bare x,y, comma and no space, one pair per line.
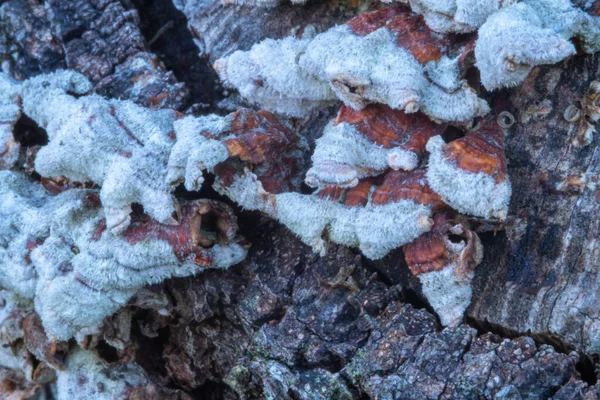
288,324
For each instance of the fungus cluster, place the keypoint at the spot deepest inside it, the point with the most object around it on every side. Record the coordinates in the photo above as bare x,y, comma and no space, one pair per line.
381,170
97,219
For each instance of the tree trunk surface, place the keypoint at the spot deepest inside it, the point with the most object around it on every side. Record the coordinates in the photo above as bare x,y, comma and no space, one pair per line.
289,324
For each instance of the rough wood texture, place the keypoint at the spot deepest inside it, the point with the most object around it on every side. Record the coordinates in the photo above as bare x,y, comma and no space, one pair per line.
288,324
542,277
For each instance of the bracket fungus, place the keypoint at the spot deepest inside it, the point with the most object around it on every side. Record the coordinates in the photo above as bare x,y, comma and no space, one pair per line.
358,144
78,272
470,173
387,56
445,267
260,3
281,87
255,138
120,146
529,33
447,16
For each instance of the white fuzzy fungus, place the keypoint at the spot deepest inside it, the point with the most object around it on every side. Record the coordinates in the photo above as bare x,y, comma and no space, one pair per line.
358,69
269,76
471,193
530,33
343,155
374,229
116,144
77,273
10,111
447,16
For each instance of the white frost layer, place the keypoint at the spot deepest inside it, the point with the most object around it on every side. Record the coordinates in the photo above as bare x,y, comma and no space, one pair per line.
193,153
361,69
447,16
374,229
292,76
87,378
530,33
448,295
75,278
269,76
116,144
343,155
470,193
10,111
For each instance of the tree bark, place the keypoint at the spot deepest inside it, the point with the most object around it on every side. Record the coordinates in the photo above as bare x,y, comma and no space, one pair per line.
288,324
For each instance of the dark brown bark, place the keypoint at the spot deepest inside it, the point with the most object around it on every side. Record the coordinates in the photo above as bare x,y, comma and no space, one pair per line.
289,324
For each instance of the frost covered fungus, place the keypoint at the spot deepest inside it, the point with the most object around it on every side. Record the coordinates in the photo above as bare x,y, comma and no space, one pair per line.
116,144
58,251
255,160
269,76
358,144
390,56
529,33
260,3
387,56
470,173
87,377
448,16
247,138
445,267
377,215
10,111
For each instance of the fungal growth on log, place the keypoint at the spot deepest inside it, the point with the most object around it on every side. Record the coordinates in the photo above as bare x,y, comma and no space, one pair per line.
10,111
120,146
387,56
58,251
529,33
457,15
371,142
282,87
358,144
444,267
470,173
375,215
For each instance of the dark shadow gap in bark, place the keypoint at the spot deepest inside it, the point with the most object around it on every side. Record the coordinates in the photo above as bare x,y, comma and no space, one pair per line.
587,370
28,133
167,35
484,327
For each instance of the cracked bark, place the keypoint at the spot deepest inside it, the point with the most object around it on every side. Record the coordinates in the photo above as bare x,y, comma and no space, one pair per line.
288,324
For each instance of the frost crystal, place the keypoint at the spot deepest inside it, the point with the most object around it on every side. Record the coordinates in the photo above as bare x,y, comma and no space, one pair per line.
116,144
530,33
57,250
